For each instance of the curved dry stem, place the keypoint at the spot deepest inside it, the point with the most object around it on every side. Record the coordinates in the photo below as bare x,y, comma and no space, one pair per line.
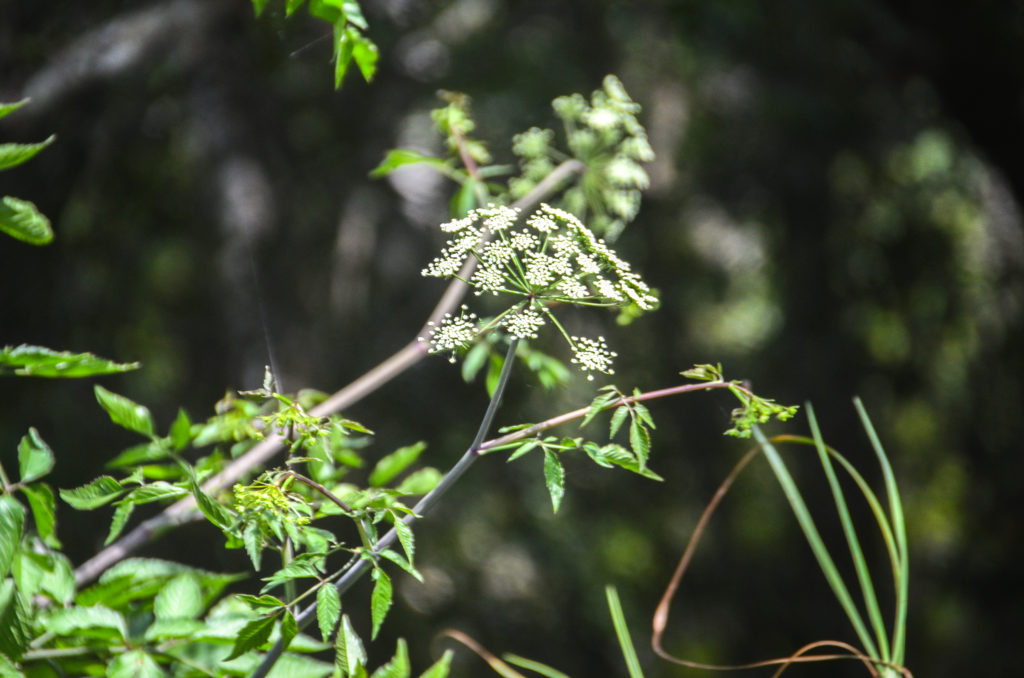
498,665
661,613
185,509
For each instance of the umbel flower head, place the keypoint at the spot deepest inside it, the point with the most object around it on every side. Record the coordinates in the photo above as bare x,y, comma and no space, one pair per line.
552,259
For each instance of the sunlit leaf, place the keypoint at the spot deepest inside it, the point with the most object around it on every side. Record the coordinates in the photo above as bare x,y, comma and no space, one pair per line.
97,619
124,411
181,431
396,462
181,597
12,155
619,416
37,361
328,610
252,636
21,220
398,667
121,515
640,441
441,667
7,109
554,478
35,458
134,664
397,559
380,600
366,55
12,521
419,481
92,495
400,157
44,511
405,537
349,654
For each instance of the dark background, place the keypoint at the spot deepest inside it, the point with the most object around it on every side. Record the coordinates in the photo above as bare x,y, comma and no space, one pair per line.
834,211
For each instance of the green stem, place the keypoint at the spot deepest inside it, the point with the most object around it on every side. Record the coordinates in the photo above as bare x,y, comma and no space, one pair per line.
306,617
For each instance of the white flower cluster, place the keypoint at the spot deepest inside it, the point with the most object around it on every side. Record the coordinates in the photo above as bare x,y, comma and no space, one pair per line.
554,258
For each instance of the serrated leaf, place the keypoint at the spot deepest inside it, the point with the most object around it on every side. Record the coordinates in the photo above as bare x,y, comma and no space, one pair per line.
393,464
37,361
180,598
7,109
134,664
21,220
12,155
214,512
35,458
121,515
252,636
405,537
125,412
640,441
419,481
261,602
523,449
398,667
14,632
328,610
101,491
289,628
441,667
301,567
349,655
156,491
598,404
181,431
554,478
44,512
12,522
252,537
96,619
397,559
400,157
619,416
642,412
380,600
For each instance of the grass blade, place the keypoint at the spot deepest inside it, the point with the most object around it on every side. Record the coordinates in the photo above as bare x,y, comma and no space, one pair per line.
622,631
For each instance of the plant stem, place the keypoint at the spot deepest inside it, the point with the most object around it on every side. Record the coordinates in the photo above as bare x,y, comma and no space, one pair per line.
306,617
184,510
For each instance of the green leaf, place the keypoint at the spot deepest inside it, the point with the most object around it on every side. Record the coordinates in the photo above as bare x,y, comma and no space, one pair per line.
214,512
21,220
291,6
349,655
398,667
342,51
640,441
397,559
289,628
14,631
35,458
12,155
598,404
44,512
380,600
535,666
405,537
37,361
366,54
134,664
399,157
253,539
419,481
523,449
622,633
156,491
121,515
441,667
474,360
7,109
12,522
96,620
619,416
258,6
93,495
641,411
554,478
180,598
164,629
125,412
393,464
464,199
261,602
493,374
181,431
252,636
328,610
302,567
354,14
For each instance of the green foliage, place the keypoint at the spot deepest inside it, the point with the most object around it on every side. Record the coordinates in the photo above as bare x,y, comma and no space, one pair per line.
19,218
36,361
349,39
755,410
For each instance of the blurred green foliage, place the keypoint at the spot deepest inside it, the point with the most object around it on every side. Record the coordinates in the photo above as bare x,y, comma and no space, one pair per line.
834,210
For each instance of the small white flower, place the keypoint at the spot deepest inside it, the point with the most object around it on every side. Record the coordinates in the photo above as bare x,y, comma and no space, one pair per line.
592,356
523,324
453,333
